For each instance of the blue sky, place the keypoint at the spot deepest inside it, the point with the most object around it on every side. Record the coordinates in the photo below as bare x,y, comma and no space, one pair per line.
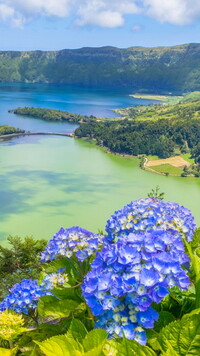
58,24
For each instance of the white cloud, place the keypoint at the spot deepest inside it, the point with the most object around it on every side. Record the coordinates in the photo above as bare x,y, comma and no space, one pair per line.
6,12
102,19
104,13
178,12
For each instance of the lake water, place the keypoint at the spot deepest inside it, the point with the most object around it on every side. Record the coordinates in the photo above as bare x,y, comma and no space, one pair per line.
48,181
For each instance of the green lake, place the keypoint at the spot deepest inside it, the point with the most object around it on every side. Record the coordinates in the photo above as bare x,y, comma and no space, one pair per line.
49,181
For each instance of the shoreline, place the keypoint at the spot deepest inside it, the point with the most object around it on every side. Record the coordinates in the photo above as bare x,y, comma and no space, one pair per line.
106,149
125,155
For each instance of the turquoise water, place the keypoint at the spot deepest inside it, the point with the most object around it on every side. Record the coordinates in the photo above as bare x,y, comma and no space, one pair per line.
84,101
47,181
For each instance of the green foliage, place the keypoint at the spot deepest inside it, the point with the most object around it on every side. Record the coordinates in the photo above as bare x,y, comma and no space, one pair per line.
183,336
54,308
63,325
155,193
11,325
87,344
52,115
127,347
152,69
158,130
8,352
6,130
20,260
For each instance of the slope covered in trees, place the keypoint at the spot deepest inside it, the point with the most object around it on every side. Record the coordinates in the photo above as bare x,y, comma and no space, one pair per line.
153,69
152,130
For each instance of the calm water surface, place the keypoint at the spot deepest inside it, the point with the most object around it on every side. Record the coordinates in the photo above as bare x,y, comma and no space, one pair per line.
48,182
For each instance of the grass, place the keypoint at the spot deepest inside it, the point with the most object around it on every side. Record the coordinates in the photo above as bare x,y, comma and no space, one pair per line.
187,157
165,98
167,168
152,158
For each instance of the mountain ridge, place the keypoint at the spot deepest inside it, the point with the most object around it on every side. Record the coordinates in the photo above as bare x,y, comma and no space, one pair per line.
156,69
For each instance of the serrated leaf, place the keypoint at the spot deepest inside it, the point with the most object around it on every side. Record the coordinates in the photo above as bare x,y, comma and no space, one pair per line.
193,312
77,330
59,346
8,352
170,351
165,318
94,339
132,348
183,336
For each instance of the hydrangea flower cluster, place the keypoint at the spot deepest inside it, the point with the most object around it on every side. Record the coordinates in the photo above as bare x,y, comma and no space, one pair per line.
10,325
55,280
23,296
141,259
147,214
74,240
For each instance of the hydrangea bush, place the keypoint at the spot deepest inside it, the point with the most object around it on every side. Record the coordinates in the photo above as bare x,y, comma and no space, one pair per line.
141,260
128,271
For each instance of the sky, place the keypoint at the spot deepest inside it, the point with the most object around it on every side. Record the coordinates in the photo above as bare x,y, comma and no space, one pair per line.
58,24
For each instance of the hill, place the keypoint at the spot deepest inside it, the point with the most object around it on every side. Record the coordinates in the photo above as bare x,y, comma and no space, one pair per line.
161,69
159,129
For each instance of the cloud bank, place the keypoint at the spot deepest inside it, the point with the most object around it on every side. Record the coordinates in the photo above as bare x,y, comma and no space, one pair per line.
103,13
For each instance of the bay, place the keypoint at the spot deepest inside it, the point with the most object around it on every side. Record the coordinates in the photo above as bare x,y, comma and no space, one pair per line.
47,181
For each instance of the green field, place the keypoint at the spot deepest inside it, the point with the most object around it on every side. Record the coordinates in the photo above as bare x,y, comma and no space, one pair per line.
187,157
171,99
167,168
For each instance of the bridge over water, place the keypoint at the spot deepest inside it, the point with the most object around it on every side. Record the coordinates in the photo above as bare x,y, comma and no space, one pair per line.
68,134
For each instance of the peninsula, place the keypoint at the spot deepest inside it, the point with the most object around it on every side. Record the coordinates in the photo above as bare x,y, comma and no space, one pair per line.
165,136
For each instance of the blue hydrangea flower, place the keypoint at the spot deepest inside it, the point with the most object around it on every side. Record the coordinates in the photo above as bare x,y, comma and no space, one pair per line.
147,214
131,273
23,296
74,240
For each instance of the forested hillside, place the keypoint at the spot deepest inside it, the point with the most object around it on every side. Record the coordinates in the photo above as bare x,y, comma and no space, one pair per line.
175,69
161,130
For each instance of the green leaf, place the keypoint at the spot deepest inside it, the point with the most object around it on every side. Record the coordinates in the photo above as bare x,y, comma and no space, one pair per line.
165,318
68,293
56,308
8,352
132,348
183,336
152,337
195,243
110,348
59,346
35,351
170,351
54,265
77,330
95,339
